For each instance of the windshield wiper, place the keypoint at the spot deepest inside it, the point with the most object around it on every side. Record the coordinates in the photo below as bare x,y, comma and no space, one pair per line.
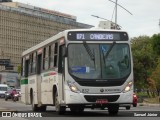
106,55
92,55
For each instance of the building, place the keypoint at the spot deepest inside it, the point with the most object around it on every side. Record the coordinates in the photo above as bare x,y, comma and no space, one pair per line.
22,26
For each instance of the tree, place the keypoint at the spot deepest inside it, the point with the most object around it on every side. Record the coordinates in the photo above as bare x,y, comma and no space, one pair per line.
156,73
19,69
143,59
156,43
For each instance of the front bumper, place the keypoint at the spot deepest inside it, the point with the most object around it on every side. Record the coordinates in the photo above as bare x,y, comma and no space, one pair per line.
80,98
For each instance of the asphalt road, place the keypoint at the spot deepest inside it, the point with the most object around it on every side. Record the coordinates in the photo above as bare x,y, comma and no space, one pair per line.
135,113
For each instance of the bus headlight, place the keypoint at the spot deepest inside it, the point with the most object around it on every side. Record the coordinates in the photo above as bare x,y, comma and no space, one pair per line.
128,87
73,87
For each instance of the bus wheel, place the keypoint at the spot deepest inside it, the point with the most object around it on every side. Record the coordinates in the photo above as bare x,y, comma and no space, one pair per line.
59,109
43,108
34,106
113,109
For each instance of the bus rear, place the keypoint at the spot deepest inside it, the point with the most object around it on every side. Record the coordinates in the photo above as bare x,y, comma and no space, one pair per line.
98,70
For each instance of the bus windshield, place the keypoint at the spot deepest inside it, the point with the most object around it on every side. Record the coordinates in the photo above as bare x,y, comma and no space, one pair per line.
99,61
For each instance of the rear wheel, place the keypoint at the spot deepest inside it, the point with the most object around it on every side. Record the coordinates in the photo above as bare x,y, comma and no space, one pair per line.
34,106
59,109
43,108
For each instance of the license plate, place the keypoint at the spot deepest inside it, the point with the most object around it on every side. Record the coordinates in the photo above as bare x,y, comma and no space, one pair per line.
101,101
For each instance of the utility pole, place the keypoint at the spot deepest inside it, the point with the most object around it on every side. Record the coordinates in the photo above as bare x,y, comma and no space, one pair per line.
116,4
116,14
159,24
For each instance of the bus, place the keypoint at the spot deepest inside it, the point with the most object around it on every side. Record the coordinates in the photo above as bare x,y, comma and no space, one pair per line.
78,69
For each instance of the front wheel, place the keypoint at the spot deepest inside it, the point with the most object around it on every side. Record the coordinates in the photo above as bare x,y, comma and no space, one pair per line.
113,109
59,109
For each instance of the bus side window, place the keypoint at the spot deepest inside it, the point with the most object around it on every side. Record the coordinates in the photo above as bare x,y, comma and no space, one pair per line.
30,63
55,54
44,54
26,68
46,58
23,67
34,62
52,55
39,63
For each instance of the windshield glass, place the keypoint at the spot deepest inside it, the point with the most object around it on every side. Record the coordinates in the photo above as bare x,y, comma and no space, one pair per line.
3,88
99,61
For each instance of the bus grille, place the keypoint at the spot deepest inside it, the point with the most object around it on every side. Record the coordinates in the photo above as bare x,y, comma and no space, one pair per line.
93,98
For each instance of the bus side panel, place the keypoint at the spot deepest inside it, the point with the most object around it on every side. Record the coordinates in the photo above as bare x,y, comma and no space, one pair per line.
32,88
48,80
24,90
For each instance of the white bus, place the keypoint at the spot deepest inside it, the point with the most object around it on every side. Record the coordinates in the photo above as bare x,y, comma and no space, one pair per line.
77,69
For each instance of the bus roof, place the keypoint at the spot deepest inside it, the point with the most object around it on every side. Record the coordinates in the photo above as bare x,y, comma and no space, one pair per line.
60,35
45,42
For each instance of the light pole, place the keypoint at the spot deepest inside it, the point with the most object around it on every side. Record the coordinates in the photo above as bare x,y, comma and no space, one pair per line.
116,4
116,14
159,24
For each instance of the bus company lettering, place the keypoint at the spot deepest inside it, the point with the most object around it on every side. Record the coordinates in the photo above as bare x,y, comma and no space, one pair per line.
112,90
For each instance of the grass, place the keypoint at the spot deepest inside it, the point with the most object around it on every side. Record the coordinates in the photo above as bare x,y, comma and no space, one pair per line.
152,100
142,94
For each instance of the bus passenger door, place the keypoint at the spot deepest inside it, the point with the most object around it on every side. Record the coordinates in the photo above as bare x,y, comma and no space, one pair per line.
24,81
39,78
61,73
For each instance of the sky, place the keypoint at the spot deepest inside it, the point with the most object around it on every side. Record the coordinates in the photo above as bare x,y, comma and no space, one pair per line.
144,21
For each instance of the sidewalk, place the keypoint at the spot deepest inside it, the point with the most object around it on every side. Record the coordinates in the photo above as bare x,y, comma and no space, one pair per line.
6,110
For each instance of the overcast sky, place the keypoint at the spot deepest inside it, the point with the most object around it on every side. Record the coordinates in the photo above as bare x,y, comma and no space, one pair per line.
144,21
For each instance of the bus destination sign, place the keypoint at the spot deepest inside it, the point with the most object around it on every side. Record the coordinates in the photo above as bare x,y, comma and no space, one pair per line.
110,36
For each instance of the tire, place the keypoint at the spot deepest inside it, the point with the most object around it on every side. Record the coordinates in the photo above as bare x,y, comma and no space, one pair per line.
43,108
128,107
34,106
113,109
59,109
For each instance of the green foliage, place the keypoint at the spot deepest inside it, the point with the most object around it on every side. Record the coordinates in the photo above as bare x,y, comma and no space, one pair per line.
144,60
156,76
19,69
156,43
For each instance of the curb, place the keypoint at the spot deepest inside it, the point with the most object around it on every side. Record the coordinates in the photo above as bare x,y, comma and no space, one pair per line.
7,110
